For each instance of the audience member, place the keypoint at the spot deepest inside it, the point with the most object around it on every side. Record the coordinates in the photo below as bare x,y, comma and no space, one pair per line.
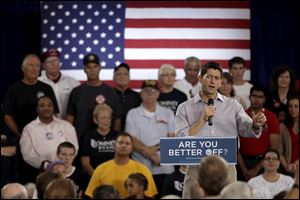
227,89
106,192
20,102
98,145
241,87
57,167
174,182
190,84
63,188
268,184
129,98
249,158
294,192
116,171
229,119
41,137
289,137
42,181
14,191
19,107
147,124
62,85
66,152
31,188
85,97
282,87
136,185
212,175
237,190
8,155
169,96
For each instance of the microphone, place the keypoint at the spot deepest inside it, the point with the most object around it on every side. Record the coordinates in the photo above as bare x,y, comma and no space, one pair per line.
210,119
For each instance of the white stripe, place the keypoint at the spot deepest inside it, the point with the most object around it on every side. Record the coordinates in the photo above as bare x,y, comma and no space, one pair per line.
135,74
181,54
187,33
187,13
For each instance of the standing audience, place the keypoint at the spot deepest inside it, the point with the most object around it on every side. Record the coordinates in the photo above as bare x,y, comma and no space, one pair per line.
85,97
282,87
227,89
241,87
190,84
128,97
62,85
147,124
289,138
169,96
249,158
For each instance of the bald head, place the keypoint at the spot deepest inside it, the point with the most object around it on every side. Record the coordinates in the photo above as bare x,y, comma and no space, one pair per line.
14,191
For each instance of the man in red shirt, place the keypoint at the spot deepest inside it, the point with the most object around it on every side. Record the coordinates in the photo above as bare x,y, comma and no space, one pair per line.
251,150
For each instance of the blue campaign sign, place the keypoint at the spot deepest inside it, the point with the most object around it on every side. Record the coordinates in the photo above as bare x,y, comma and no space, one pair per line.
190,150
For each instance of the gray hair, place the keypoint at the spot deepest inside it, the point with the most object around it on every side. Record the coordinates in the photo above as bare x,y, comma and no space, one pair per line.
14,191
237,190
192,59
165,68
32,55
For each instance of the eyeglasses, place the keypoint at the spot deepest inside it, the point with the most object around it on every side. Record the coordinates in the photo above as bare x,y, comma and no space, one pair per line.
270,158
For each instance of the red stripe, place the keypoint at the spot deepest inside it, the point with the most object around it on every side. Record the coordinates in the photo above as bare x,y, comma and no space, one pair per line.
187,23
236,44
155,64
188,4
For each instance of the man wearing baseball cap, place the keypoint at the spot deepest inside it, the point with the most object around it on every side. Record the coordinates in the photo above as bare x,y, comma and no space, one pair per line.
62,85
85,97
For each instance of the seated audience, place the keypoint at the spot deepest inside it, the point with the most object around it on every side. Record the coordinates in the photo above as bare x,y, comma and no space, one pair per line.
268,184
41,137
66,152
116,171
63,188
14,191
136,185
106,192
98,145
237,190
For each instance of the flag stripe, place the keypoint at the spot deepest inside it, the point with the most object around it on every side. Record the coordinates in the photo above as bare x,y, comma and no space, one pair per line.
152,64
135,74
187,13
188,4
181,54
191,23
238,44
187,33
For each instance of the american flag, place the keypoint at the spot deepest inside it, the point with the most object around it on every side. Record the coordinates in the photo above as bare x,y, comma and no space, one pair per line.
145,34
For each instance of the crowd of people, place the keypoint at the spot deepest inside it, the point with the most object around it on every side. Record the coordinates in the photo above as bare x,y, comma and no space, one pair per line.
64,139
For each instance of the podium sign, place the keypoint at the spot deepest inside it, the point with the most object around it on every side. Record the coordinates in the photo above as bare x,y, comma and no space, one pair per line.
190,150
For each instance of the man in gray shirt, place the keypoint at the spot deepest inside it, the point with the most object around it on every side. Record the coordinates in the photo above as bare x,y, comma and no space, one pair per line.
226,116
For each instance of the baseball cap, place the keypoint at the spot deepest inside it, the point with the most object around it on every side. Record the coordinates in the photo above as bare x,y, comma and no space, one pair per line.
90,58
